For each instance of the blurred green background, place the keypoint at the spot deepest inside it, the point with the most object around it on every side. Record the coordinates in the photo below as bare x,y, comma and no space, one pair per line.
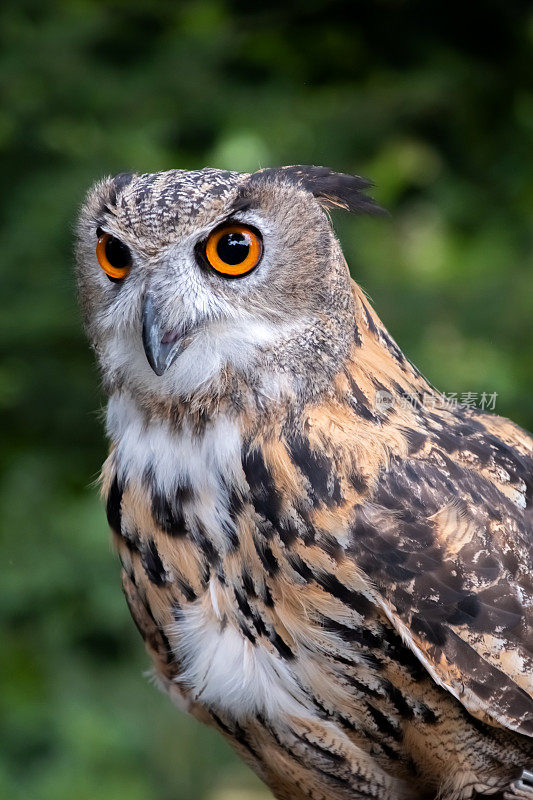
431,100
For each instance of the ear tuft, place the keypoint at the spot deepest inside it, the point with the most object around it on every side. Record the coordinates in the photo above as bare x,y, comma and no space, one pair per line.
331,189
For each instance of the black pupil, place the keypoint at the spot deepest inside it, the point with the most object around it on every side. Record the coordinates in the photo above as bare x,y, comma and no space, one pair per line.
233,248
117,253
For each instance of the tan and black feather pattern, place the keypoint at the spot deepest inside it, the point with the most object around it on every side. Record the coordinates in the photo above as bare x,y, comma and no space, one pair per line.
403,535
442,529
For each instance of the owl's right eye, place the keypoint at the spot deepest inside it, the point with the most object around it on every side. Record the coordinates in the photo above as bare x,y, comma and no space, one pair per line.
233,250
113,256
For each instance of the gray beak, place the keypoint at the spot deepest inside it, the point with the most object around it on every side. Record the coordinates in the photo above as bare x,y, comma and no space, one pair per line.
161,348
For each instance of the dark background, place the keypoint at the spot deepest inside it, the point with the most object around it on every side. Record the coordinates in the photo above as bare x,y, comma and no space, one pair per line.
433,101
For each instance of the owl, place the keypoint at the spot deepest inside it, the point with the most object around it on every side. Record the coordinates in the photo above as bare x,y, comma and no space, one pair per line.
328,562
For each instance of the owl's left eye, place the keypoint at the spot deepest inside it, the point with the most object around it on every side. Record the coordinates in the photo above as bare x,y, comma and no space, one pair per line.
113,256
234,250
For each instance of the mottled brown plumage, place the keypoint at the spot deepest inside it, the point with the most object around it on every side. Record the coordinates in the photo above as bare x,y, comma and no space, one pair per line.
328,568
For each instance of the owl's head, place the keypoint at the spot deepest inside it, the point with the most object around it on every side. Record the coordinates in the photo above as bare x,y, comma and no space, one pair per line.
191,281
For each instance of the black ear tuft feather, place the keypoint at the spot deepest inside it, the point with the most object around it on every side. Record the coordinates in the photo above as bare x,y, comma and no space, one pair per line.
331,189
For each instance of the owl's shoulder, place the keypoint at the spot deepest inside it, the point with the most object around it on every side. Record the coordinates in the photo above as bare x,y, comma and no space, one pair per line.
433,506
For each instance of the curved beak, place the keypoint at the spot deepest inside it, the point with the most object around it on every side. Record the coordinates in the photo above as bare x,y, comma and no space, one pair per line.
161,348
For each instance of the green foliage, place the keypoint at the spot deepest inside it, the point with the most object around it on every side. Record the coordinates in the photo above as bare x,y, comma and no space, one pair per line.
435,105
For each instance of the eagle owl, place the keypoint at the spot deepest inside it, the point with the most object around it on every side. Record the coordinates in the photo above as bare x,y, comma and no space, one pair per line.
342,586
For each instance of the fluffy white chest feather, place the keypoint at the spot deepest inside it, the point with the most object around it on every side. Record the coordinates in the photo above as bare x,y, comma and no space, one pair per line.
224,670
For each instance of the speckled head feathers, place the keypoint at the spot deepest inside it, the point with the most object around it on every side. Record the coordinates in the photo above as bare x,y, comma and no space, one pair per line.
286,322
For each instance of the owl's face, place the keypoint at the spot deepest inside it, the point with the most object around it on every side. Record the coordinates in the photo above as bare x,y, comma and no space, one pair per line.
186,278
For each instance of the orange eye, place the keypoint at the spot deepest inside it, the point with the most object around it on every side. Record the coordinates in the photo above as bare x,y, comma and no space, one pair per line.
113,256
234,250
